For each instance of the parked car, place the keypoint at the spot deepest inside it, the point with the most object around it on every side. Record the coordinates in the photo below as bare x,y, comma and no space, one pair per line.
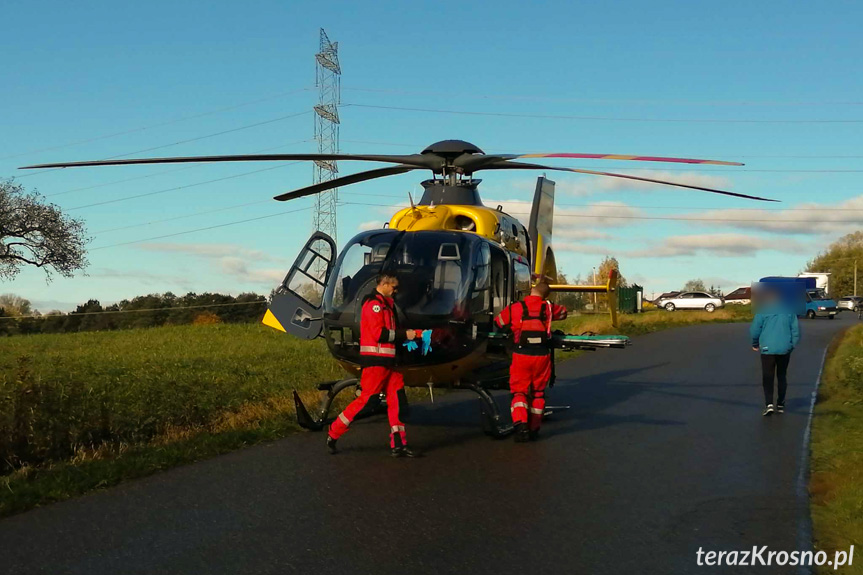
692,300
850,302
666,295
742,296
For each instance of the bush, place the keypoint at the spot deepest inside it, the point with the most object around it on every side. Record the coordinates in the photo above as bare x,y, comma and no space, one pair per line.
206,318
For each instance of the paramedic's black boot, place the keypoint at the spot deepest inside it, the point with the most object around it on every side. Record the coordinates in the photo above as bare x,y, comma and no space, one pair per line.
400,450
522,434
331,445
533,434
408,452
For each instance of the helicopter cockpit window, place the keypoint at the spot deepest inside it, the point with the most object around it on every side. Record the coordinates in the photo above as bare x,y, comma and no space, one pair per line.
435,270
358,267
522,279
307,280
481,297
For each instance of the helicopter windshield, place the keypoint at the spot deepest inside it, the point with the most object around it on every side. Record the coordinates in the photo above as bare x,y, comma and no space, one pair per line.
441,275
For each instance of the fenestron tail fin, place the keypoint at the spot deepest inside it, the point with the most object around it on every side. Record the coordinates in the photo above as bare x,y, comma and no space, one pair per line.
540,228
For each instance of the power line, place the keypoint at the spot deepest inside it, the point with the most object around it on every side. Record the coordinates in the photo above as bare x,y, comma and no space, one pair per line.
160,124
670,218
199,229
740,156
605,205
165,172
116,200
232,130
604,118
603,100
184,217
75,314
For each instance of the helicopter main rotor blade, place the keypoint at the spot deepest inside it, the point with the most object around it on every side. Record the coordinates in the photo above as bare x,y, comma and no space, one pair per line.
429,161
627,157
519,166
344,181
476,162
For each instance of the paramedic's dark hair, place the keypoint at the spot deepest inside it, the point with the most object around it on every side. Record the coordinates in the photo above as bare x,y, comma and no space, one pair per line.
385,277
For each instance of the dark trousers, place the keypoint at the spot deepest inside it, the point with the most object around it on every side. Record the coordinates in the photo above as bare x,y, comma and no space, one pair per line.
778,365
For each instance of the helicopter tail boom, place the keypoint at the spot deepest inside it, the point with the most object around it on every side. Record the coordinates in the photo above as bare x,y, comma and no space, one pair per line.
610,288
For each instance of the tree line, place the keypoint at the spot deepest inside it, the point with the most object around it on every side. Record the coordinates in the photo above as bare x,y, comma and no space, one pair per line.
153,310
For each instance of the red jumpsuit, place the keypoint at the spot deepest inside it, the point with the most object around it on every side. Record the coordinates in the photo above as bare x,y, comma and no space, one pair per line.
531,361
378,335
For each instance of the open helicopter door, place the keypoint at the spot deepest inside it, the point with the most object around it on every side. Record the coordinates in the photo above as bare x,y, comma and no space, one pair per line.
297,303
539,230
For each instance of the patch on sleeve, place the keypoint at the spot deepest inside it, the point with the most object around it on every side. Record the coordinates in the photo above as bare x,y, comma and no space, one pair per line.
376,308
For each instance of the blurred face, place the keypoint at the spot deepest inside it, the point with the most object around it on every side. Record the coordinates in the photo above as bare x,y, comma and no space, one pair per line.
388,287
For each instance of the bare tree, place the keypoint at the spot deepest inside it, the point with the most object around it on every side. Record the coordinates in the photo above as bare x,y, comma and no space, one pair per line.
36,233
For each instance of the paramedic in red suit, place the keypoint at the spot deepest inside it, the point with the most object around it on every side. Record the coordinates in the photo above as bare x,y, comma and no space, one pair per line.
378,338
530,322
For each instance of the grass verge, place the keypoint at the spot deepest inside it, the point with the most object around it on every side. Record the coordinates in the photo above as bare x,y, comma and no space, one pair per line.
652,320
836,481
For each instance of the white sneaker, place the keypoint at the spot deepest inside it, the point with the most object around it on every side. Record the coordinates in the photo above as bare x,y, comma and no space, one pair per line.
768,410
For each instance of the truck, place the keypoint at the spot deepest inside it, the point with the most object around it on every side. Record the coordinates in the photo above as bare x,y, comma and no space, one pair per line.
815,301
822,280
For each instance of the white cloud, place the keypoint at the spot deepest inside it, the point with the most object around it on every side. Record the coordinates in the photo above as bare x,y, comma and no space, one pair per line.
372,225
578,248
232,260
239,268
720,245
804,219
604,214
610,184
143,277
587,185
574,233
212,251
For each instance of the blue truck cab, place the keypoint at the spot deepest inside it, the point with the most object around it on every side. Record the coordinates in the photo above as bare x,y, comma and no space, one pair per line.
819,304
812,302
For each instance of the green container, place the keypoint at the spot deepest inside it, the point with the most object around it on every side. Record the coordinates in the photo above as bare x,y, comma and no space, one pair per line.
629,299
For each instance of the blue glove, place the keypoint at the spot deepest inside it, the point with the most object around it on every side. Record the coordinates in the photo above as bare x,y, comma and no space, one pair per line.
427,341
411,345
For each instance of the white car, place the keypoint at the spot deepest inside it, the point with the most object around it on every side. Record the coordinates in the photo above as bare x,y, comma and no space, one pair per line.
692,300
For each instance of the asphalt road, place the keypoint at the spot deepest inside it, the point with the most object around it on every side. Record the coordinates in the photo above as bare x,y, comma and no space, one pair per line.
664,451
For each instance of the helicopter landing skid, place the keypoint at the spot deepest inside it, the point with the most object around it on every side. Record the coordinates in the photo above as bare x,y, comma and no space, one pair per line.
319,421
552,409
491,422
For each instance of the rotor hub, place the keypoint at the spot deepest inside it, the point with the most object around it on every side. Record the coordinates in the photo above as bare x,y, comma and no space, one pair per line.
451,149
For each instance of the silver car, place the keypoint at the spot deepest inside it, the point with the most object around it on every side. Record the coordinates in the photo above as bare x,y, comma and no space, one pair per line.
692,300
850,302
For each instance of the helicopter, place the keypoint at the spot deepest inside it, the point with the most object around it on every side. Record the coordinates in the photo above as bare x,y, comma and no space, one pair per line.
459,263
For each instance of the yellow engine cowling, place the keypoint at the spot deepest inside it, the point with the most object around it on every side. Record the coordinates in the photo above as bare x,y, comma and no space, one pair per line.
486,222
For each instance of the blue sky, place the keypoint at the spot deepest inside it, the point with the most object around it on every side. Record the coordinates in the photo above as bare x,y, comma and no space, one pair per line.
771,84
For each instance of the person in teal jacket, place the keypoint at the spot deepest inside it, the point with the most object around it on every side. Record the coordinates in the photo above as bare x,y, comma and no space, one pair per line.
775,333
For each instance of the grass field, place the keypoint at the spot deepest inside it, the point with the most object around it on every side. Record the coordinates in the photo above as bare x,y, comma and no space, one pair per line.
83,410
836,483
87,410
